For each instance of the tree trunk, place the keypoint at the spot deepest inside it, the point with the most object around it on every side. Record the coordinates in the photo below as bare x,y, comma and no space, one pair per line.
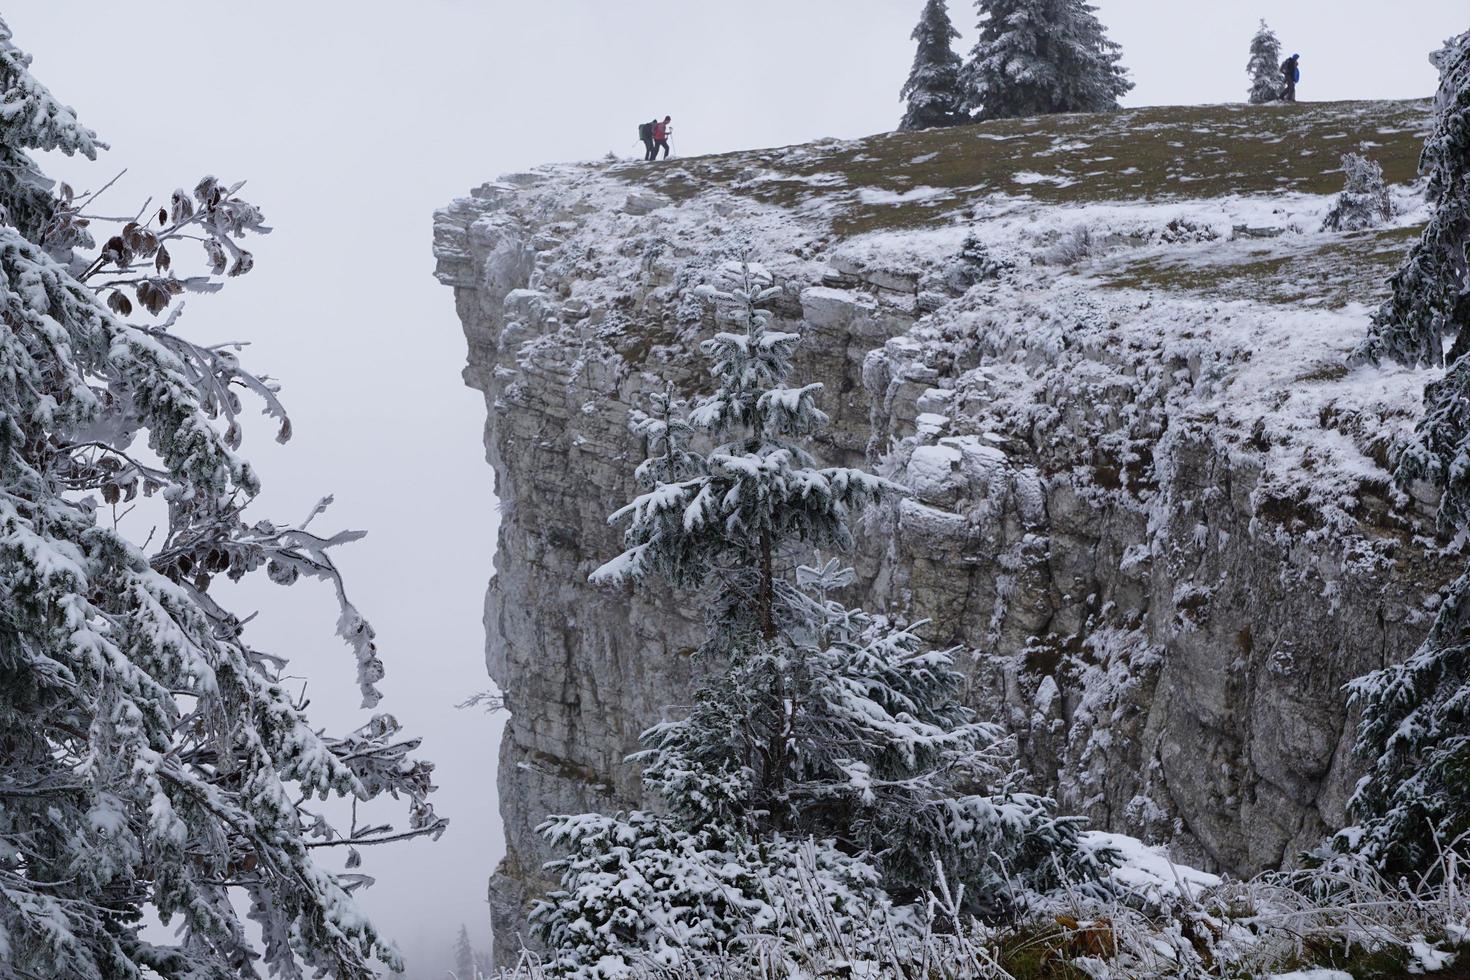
775,778
766,595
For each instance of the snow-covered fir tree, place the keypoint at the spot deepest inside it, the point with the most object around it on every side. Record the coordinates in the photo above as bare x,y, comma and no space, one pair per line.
467,959
732,509
934,91
641,889
825,745
1415,730
1042,56
847,730
1364,201
975,263
1264,67
151,760
1431,291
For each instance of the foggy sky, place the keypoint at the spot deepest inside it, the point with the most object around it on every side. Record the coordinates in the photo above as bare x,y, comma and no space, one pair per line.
352,121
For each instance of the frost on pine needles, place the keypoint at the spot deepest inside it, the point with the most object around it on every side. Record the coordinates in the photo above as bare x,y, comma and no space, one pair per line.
1364,201
151,760
934,92
1415,731
824,742
1430,298
1264,66
1036,57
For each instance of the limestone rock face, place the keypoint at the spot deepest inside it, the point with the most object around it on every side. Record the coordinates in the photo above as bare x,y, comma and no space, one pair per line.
1150,504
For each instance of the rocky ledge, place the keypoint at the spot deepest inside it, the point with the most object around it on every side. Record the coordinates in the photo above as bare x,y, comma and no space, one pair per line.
1150,503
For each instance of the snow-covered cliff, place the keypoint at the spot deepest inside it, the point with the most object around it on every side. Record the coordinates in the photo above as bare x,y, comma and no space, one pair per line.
1106,353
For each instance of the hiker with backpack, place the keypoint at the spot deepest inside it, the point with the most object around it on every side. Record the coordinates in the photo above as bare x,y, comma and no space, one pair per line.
645,133
1290,75
661,132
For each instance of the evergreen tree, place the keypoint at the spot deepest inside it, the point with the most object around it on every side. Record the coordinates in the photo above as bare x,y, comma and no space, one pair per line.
727,513
817,722
465,966
934,92
1364,201
151,760
1431,291
1415,730
845,729
1264,67
1036,57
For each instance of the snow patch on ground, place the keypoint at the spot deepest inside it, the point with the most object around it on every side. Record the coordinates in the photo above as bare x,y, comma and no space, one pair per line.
872,195
1032,177
1148,870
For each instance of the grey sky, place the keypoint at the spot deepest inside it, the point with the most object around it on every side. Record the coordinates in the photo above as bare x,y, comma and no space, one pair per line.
354,120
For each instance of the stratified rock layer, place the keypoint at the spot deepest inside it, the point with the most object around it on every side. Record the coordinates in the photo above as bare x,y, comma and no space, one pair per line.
1150,503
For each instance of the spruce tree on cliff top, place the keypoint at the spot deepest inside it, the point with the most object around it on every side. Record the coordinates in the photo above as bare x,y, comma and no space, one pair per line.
1415,731
934,92
1036,57
1264,66
152,762
817,722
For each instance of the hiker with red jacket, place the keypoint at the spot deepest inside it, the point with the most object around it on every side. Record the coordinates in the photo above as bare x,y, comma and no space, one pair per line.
1290,75
661,131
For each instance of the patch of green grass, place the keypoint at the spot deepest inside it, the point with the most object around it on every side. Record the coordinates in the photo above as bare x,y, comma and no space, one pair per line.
1324,372
1152,153
1040,954
1363,962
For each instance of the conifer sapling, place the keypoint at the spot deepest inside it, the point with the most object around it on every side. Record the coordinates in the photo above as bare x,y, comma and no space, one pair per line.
1364,201
1264,67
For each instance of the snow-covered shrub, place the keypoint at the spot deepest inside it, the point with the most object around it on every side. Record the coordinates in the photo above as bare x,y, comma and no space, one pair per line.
1170,922
1070,247
1364,201
1182,231
975,263
646,890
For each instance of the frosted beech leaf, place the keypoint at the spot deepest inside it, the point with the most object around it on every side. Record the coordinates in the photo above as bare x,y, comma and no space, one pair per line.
182,207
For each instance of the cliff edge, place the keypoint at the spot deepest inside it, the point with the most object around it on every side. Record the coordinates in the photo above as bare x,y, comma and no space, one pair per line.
1151,503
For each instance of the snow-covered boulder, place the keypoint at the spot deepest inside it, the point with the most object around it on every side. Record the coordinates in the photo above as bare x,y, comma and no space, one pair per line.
645,202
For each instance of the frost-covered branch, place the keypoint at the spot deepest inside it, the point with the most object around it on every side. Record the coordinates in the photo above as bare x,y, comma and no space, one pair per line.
154,762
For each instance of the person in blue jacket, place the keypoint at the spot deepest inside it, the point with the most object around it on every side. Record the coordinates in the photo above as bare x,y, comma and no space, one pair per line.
1290,75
